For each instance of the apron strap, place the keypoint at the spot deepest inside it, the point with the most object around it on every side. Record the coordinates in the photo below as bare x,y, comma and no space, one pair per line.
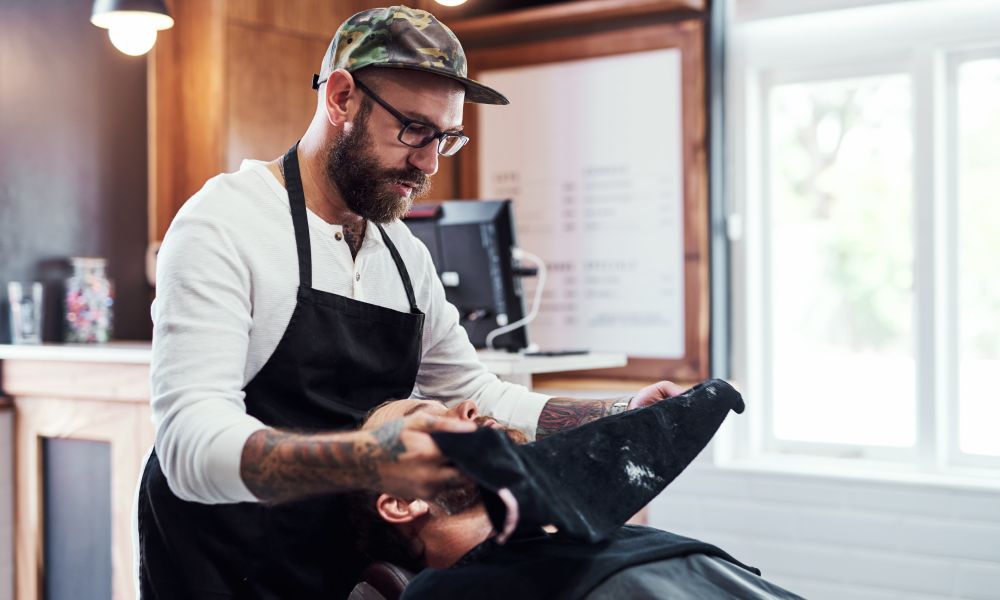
401,267
297,201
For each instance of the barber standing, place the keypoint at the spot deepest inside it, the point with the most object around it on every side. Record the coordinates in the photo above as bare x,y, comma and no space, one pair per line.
290,302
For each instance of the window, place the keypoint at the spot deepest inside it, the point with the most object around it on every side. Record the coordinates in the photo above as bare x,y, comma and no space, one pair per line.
866,283
840,259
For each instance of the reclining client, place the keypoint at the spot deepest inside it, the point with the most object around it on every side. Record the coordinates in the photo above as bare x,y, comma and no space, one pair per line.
546,519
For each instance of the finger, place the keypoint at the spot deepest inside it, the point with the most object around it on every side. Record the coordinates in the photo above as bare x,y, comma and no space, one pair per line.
642,401
670,388
658,391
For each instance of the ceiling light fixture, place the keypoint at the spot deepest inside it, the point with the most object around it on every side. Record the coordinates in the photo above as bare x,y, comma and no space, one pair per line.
132,24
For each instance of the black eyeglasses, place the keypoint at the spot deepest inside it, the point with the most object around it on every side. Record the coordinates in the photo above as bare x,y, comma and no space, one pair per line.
415,134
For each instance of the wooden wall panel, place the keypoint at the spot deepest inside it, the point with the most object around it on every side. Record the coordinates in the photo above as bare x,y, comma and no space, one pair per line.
556,18
319,18
271,101
186,120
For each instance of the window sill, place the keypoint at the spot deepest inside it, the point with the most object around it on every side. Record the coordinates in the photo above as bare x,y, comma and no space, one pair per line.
857,470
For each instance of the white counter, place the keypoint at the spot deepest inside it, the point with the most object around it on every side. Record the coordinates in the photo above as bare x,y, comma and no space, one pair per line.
508,366
133,353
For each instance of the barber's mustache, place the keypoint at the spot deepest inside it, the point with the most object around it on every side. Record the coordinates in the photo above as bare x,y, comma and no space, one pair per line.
413,177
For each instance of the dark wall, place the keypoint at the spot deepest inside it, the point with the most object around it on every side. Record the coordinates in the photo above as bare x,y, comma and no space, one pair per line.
72,157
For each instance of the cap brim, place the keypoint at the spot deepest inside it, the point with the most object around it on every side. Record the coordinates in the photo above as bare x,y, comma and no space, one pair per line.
474,91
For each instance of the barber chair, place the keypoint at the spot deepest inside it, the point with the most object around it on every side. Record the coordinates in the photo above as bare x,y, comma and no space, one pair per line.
381,581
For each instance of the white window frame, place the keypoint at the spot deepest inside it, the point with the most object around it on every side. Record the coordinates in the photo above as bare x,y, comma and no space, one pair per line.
949,367
911,38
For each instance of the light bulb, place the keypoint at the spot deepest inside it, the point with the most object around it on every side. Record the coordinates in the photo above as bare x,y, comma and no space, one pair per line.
132,32
450,2
132,38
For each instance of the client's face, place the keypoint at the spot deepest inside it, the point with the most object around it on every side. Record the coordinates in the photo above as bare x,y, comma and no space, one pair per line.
455,500
397,409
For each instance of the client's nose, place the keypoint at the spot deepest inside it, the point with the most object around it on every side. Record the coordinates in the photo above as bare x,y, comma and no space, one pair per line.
465,410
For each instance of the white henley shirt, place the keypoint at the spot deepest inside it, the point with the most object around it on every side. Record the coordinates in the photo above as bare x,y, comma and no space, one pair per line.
226,281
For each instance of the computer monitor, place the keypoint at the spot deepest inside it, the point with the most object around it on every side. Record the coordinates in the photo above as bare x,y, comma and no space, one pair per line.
470,242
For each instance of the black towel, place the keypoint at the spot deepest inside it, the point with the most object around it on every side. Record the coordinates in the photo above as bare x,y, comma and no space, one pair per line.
589,480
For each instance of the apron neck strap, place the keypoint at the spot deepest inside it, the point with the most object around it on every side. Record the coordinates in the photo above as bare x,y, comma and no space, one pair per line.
401,267
297,202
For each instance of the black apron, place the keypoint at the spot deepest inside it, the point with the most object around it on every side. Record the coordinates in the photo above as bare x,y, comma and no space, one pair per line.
337,359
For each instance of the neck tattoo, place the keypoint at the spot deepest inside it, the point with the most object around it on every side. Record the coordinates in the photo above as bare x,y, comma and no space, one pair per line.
354,234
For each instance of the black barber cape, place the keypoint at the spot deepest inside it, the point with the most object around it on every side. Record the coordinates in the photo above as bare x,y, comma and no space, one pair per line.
587,482
548,567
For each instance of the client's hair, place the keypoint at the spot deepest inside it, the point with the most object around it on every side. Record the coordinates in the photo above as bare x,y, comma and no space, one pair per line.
376,539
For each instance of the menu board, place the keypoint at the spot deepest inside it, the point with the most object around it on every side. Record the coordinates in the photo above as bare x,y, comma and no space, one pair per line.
590,152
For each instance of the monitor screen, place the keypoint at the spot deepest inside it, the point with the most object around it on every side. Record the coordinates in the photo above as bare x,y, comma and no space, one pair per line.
470,242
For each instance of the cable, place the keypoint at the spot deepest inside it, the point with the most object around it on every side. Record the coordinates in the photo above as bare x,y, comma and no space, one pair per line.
518,255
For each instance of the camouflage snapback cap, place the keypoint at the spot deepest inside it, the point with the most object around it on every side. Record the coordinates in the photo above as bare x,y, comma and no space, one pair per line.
403,38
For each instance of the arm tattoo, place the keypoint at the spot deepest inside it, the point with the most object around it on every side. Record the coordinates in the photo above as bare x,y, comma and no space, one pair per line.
388,438
278,466
566,413
354,234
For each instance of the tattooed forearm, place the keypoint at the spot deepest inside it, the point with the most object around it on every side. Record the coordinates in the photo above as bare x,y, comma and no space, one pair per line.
565,413
279,466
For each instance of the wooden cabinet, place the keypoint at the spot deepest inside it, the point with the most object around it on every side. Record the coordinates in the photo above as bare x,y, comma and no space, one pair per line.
75,400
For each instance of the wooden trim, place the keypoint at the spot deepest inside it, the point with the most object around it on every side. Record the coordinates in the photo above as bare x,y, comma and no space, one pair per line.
688,36
129,431
77,380
518,24
566,381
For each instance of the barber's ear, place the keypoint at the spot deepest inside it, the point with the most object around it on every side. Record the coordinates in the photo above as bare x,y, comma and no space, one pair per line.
339,89
396,510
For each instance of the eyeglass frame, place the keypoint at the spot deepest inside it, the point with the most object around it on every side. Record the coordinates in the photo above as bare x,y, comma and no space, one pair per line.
404,120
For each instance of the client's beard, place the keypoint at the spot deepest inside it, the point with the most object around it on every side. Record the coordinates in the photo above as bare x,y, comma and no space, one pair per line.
367,188
460,499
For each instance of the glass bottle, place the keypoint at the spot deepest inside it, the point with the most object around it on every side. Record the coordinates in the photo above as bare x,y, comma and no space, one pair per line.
89,302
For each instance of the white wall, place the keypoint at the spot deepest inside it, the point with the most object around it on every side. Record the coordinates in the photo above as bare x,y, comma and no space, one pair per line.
835,538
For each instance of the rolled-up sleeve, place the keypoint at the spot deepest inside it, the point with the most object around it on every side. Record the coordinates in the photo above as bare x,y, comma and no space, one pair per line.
201,324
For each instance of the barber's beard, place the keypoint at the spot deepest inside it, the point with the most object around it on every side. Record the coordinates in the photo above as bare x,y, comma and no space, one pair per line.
367,189
460,499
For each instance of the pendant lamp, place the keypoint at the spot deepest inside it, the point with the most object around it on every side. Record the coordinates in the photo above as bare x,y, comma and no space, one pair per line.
132,24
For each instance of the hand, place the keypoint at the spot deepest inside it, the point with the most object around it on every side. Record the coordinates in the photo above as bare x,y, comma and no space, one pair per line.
651,394
408,462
